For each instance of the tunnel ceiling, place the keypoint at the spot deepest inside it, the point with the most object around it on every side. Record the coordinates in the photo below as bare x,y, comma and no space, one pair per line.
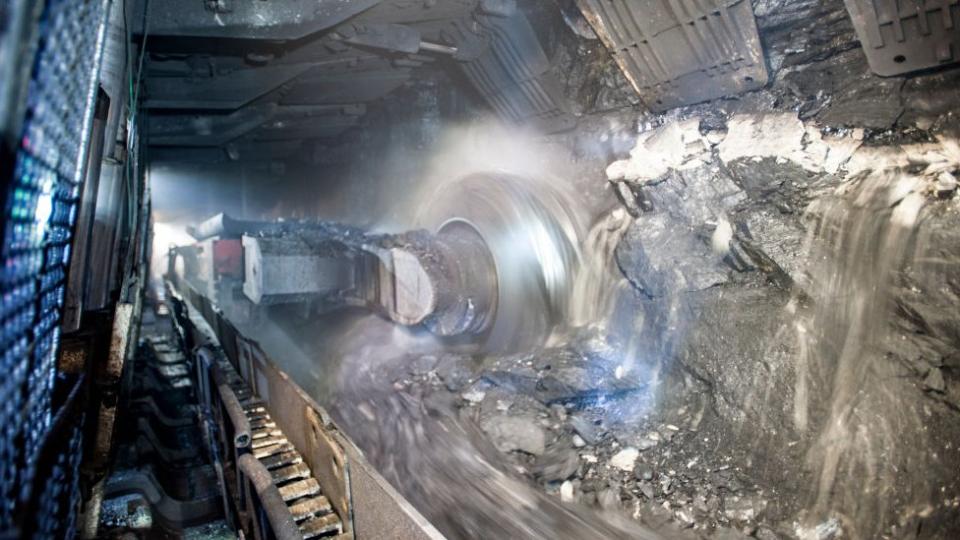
270,80
265,80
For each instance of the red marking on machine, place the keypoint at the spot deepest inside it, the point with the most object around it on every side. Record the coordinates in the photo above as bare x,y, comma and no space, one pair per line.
228,258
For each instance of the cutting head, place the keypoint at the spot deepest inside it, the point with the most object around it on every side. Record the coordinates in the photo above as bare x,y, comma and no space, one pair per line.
530,236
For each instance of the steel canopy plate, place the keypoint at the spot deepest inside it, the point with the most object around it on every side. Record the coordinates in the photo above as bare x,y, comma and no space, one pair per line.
680,52
900,36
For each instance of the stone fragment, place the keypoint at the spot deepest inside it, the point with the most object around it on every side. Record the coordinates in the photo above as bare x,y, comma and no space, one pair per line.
515,433
676,145
666,484
720,240
646,443
839,151
700,505
495,401
743,509
625,459
557,463
657,516
946,185
774,241
566,492
934,381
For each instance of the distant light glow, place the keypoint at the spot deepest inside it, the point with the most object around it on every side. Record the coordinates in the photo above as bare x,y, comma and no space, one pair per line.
43,211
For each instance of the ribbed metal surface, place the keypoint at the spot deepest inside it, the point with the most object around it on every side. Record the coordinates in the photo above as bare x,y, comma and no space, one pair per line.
513,73
900,36
679,52
299,490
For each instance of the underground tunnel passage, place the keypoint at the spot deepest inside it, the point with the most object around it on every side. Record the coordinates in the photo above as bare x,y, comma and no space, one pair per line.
420,269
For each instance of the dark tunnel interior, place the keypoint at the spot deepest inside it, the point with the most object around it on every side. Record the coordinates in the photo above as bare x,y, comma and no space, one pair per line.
423,269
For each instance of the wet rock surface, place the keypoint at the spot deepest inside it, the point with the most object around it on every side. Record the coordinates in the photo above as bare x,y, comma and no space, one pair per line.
727,431
660,256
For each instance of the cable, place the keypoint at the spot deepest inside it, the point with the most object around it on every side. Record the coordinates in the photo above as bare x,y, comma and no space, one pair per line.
133,88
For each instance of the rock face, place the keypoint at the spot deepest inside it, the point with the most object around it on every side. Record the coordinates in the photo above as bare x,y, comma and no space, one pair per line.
758,290
661,256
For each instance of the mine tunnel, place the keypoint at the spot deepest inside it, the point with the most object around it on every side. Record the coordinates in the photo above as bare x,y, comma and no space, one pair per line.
480,269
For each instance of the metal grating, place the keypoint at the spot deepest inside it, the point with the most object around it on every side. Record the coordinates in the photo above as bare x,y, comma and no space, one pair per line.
40,203
680,52
900,36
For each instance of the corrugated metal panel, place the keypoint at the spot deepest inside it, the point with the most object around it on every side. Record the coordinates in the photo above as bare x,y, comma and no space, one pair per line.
680,52
513,73
900,36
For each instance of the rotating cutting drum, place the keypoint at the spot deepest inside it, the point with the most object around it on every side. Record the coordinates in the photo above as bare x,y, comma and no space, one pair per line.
519,246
